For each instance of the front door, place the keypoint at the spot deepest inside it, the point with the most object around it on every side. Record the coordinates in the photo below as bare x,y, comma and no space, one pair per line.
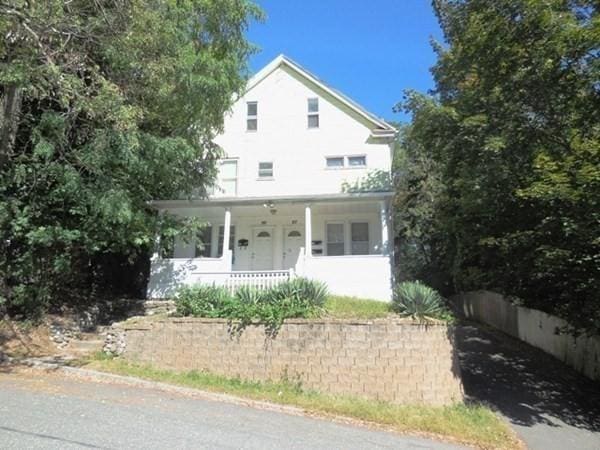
292,241
262,249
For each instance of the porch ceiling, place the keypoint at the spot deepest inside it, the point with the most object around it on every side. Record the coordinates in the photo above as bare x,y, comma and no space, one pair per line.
299,200
280,208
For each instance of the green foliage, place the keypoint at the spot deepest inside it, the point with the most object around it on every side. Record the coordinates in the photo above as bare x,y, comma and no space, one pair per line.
374,181
202,301
418,301
513,136
470,424
295,298
105,106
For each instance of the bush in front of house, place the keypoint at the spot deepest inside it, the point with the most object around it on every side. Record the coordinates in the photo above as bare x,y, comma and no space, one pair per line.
418,301
295,298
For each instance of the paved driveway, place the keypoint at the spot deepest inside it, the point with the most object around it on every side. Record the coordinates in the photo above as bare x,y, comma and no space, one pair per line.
49,412
549,405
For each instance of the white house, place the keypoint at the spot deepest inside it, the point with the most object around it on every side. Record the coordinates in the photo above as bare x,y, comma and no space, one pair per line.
291,196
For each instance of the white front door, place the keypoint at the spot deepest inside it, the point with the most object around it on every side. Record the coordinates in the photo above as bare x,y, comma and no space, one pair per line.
292,241
262,249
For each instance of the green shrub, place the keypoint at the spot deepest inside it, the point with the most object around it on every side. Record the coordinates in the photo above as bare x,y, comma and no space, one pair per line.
202,301
298,290
419,301
250,295
296,298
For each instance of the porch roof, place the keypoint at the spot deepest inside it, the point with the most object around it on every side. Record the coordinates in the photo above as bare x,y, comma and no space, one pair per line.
248,201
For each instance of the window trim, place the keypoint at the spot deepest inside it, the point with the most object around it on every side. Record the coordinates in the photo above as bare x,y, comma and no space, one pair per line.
343,166
229,160
220,236
266,177
310,114
356,156
250,117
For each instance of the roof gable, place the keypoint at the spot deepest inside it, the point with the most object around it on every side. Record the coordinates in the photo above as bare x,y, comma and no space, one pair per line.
380,127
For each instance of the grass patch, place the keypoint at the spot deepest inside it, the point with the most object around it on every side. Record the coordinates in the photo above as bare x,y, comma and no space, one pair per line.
340,307
474,425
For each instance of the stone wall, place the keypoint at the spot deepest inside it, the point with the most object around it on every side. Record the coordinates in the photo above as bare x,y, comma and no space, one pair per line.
394,360
537,328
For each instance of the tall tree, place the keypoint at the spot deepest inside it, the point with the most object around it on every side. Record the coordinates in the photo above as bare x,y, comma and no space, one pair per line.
105,105
515,129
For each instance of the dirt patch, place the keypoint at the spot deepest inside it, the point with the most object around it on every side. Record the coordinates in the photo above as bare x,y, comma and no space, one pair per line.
18,339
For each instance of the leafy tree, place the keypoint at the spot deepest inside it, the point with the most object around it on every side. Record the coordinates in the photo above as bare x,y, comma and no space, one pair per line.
105,105
514,128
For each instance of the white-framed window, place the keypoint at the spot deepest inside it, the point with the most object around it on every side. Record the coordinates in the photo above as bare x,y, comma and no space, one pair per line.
359,238
313,113
228,177
342,162
220,240
265,170
252,116
334,162
335,239
357,161
204,243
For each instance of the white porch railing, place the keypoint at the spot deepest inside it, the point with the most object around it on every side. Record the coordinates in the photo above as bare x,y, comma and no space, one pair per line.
260,279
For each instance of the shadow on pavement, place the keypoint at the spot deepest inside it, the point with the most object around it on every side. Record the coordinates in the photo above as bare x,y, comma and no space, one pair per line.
523,383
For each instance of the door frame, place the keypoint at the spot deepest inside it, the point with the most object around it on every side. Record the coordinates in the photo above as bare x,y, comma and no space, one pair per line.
286,229
271,230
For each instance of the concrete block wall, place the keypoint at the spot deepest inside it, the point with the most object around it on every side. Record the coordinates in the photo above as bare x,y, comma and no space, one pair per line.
392,360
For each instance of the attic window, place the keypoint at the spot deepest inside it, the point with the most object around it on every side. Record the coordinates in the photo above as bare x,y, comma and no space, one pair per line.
252,117
313,113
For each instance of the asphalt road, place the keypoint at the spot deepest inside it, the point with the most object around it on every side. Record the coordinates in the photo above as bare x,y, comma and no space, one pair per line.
549,405
39,411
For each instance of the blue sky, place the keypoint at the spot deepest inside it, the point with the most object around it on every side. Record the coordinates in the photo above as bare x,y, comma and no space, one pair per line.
369,50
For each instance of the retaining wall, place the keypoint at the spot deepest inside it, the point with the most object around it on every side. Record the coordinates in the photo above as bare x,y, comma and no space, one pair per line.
535,327
392,360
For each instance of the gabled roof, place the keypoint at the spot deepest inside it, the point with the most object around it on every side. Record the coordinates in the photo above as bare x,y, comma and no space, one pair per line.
382,128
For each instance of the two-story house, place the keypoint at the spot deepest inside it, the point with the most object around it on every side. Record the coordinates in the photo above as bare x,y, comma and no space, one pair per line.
291,198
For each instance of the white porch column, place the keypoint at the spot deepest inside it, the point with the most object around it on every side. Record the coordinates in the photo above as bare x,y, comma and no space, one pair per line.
307,231
385,237
226,232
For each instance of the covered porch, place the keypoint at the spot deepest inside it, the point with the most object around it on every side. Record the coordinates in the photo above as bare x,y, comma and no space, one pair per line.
341,239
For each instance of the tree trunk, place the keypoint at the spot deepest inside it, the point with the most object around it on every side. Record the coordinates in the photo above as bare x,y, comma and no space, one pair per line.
10,107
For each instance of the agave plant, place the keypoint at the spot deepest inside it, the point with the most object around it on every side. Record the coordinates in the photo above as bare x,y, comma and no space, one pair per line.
419,301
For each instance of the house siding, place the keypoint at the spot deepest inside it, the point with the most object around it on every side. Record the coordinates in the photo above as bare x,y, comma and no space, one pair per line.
298,153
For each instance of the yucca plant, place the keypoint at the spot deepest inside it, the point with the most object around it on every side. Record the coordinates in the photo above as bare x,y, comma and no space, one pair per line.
249,295
419,301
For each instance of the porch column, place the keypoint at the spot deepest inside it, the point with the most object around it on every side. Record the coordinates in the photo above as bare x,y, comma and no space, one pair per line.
226,232
383,214
307,231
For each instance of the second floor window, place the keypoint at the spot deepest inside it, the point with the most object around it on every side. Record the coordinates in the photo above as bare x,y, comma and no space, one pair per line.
265,170
313,113
252,117
228,177
357,161
335,162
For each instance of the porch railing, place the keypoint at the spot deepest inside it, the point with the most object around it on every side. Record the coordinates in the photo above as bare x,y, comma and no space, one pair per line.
260,279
